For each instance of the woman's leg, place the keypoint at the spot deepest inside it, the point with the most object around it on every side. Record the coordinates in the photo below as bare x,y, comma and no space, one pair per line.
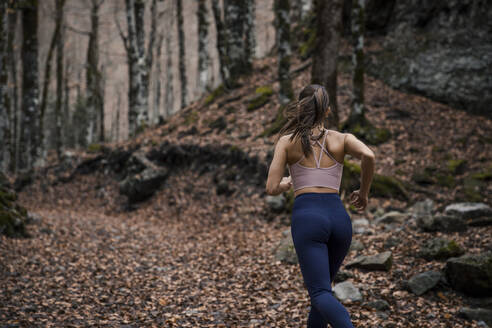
311,229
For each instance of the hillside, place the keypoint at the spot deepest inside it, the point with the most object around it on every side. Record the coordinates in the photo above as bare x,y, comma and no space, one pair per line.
200,251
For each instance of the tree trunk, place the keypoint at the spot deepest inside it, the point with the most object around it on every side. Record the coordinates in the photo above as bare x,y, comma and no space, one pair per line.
59,77
250,39
4,95
47,75
92,75
358,26
169,99
236,14
221,44
282,24
157,81
182,64
324,68
14,93
203,56
30,147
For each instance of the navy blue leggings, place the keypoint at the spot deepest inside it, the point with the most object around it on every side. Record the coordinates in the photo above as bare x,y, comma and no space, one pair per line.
322,232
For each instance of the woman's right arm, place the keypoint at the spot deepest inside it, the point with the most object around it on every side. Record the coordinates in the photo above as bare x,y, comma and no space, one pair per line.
358,149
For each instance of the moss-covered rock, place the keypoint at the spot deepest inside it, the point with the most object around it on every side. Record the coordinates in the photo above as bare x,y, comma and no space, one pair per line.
262,96
12,216
365,130
382,185
219,91
277,124
440,249
456,166
94,148
445,180
485,175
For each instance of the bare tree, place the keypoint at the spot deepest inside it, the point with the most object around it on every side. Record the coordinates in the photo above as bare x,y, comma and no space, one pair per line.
282,23
4,95
29,143
14,93
47,69
324,68
95,105
203,56
59,77
169,99
181,44
358,26
139,62
221,43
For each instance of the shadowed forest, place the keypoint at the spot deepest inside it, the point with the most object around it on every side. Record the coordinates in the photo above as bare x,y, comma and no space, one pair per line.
136,138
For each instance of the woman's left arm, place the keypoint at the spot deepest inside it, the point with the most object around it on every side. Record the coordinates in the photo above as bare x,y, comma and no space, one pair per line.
275,184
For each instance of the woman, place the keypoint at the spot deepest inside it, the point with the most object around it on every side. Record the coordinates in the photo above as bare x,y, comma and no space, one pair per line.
321,228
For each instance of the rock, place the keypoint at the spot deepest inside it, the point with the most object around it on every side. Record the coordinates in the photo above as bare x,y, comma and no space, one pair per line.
391,242
391,217
381,261
476,314
380,305
440,249
471,273
480,222
359,226
356,245
422,282
276,203
441,222
347,292
468,210
285,251
342,275
142,185
422,208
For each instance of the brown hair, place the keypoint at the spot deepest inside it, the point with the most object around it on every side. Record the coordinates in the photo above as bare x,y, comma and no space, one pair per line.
304,114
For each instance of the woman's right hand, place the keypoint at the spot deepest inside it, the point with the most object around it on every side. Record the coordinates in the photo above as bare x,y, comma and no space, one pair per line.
358,200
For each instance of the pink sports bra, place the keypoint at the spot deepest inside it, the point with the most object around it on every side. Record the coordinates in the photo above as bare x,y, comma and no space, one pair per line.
303,176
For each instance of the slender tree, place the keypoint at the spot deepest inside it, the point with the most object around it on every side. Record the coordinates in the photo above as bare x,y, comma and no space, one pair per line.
249,30
169,98
139,62
358,26
4,95
203,56
14,93
238,44
282,23
59,77
29,143
182,64
221,44
47,70
324,68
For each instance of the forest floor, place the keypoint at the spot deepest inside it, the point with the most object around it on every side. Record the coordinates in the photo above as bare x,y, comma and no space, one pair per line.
188,257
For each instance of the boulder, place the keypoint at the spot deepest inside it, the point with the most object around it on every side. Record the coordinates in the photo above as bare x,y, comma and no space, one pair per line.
391,217
276,203
471,273
468,210
346,292
342,275
380,305
478,314
422,282
285,251
440,249
356,245
381,261
142,185
441,222
422,208
359,226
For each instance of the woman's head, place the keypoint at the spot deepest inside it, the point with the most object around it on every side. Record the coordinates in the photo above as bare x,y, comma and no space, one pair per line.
306,113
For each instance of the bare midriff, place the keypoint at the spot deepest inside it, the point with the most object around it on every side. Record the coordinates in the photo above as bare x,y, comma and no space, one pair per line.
315,189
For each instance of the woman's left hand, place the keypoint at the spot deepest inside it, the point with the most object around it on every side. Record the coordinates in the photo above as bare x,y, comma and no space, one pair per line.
285,184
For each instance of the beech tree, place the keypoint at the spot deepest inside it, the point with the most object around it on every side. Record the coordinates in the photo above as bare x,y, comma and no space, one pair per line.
358,26
139,62
203,56
181,46
29,141
324,67
221,44
282,23
4,96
